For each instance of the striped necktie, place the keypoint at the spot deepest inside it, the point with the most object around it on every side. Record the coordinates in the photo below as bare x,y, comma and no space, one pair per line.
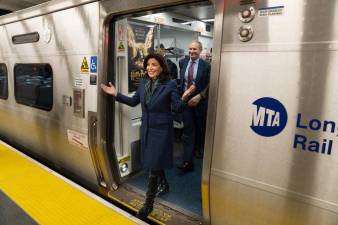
191,74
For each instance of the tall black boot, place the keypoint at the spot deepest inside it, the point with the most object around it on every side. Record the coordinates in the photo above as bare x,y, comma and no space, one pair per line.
150,197
163,186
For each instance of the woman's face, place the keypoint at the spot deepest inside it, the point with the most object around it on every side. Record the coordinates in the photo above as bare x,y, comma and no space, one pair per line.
153,68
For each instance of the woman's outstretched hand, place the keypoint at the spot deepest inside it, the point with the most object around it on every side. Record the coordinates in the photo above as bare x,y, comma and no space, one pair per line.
110,90
188,92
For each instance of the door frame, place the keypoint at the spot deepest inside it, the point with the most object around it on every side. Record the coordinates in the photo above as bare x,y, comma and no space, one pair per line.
110,11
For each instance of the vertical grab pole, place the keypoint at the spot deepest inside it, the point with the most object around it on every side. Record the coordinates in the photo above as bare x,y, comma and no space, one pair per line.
92,125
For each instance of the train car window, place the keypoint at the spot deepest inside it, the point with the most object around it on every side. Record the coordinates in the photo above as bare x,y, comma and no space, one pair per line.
34,85
26,38
3,81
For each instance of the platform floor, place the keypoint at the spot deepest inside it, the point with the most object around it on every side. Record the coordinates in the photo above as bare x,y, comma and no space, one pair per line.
33,194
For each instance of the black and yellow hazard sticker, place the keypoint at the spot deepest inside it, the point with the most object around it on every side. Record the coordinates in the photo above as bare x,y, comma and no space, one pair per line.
84,65
121,47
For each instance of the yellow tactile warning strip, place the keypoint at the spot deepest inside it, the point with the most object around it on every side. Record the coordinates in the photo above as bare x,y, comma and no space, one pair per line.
48,199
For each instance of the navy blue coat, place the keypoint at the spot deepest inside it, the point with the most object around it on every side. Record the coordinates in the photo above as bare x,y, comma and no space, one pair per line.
157,123
201,82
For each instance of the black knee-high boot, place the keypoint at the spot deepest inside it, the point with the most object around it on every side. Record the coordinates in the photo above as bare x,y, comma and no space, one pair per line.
163,186
150,197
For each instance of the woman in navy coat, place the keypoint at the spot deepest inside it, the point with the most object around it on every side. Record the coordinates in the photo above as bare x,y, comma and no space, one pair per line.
158,96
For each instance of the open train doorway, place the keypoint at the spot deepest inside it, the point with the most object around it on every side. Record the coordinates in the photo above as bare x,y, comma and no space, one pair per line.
170,32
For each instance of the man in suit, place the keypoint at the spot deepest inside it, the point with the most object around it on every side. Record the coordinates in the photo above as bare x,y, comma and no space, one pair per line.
194,71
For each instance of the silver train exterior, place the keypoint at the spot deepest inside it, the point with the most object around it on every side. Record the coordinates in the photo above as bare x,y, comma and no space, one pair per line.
274,66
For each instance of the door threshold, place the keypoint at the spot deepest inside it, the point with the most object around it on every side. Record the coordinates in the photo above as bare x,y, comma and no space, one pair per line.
163,202
163,213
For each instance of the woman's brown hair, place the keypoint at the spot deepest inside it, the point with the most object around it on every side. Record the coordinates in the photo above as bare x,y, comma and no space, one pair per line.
164,75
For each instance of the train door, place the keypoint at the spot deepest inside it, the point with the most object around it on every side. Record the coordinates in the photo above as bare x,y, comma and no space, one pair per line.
132,37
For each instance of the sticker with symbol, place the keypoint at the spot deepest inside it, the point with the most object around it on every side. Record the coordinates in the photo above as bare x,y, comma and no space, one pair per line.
93,64
84,65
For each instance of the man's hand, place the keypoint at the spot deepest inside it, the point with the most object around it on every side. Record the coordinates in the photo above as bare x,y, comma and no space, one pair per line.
194,101
188,92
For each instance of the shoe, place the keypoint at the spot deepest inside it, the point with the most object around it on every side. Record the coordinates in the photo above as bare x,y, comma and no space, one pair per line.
144,212
162,189
185,168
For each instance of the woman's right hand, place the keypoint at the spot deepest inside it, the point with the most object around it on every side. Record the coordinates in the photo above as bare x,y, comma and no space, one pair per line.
110,90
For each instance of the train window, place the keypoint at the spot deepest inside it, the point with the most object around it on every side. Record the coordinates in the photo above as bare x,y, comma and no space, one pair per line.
26,38
34,85
3,81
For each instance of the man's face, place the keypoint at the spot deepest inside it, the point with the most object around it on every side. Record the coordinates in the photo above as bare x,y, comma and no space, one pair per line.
194,51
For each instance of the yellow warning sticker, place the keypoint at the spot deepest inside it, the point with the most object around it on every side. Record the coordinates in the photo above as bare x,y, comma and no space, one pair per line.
124,159
121,47
84,65
158,215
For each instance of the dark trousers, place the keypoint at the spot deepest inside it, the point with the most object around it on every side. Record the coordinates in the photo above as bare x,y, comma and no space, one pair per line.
193,133
200,133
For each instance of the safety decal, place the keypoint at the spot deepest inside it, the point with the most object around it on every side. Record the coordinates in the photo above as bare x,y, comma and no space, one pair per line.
93,64
77,139
84,65
121,47
79,82
271,11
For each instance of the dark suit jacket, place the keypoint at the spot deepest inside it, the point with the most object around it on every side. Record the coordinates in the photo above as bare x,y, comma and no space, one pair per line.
157,123
172,69
201,82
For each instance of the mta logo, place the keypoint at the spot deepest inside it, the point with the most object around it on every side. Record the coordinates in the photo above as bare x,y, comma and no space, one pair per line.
269,117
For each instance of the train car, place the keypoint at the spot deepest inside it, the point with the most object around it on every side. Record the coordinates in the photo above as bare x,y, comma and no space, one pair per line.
270,154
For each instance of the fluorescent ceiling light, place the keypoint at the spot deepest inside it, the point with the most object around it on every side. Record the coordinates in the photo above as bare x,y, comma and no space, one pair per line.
209,20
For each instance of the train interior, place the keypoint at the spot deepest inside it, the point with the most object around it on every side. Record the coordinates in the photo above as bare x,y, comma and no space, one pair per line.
135,36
